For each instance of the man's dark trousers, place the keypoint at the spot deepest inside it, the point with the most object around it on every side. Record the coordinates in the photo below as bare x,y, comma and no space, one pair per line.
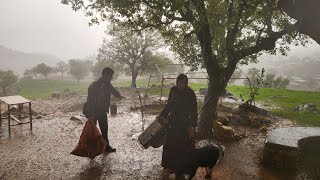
103,124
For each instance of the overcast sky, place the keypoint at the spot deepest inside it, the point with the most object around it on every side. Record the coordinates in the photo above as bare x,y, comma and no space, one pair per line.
47,26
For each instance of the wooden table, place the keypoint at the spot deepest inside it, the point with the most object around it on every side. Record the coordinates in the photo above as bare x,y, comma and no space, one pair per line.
15,100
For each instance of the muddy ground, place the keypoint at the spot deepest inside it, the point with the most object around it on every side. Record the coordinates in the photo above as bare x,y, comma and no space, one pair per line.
44,153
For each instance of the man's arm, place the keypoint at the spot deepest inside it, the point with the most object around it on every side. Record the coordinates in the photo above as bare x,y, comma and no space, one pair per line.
115,92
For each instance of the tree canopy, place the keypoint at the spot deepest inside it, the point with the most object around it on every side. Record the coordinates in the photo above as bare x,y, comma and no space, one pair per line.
7,79
132,54
214,34
42,69
62,67
79,68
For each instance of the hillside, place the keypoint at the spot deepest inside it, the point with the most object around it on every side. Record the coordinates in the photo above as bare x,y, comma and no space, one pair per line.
20,61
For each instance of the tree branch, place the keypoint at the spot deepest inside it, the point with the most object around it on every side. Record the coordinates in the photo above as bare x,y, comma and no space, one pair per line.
266,43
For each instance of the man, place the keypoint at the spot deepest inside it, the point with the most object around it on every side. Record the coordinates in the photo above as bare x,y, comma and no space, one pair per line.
98,102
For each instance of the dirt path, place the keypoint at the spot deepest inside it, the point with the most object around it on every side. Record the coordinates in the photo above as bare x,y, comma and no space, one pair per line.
44,154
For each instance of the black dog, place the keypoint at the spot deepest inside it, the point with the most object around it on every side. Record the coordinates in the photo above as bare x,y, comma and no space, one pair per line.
207,154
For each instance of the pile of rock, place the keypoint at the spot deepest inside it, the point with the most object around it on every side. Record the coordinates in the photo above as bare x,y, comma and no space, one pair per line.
307,108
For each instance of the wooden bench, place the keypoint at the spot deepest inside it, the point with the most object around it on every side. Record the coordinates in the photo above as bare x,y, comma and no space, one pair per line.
15,100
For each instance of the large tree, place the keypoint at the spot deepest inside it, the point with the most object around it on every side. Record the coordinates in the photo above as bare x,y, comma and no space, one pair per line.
62,67
79,68
7,79
132,53
43,69
215,34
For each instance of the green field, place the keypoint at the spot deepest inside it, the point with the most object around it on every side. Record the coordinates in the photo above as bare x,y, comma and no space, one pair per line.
283,100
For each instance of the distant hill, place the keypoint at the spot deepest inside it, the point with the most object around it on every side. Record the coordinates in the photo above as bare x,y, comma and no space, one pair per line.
20,61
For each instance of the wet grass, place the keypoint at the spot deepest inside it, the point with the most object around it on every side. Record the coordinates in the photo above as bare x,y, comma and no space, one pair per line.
42,88
284,100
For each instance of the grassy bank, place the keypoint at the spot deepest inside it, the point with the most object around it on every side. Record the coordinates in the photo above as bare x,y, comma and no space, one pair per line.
283,100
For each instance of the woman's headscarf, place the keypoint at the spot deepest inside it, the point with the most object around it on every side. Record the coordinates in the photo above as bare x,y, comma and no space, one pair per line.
181,76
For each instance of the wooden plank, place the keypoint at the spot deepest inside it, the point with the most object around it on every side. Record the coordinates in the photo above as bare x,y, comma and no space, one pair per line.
20,123
12,100
16,119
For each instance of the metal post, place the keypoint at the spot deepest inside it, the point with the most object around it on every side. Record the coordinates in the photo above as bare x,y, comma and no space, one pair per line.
145,97
9,114
30,114
20,107
0,115
161,89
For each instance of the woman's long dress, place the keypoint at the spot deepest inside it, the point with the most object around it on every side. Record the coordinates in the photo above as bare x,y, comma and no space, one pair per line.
181,111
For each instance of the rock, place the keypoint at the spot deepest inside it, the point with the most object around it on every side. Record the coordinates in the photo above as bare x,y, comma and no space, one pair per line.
135,136
307,107
77,119
252,108
38,117
263,129
225,121
203,91
55,95
281,149
227,131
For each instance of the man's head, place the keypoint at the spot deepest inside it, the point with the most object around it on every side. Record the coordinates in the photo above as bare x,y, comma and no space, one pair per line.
107,74
182,82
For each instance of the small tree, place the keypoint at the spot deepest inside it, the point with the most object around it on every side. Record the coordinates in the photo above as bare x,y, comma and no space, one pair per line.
78,69
132,53
43,70
62,67
252,74
270,80
284,83
7,79
28,73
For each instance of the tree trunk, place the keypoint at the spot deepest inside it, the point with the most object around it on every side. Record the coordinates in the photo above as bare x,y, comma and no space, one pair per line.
206,119
78,81
134,79
4,91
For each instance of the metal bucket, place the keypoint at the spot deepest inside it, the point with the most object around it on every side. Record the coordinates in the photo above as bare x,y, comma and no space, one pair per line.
113,109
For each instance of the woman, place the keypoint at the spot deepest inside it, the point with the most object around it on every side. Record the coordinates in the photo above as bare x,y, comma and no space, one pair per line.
181,112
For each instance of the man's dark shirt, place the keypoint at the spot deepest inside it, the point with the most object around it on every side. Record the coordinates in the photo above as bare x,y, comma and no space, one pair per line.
98,100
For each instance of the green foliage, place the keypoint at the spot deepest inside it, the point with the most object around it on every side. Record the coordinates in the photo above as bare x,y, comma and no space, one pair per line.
235,25
62,67
131,53
7,79
213,34
79,69
40,88
42,69
252,74
254,86
283,102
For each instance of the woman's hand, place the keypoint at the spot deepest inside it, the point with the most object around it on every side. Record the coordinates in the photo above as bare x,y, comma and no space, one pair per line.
192,132
192,136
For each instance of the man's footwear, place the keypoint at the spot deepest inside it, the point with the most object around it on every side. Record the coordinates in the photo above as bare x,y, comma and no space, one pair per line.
110,149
